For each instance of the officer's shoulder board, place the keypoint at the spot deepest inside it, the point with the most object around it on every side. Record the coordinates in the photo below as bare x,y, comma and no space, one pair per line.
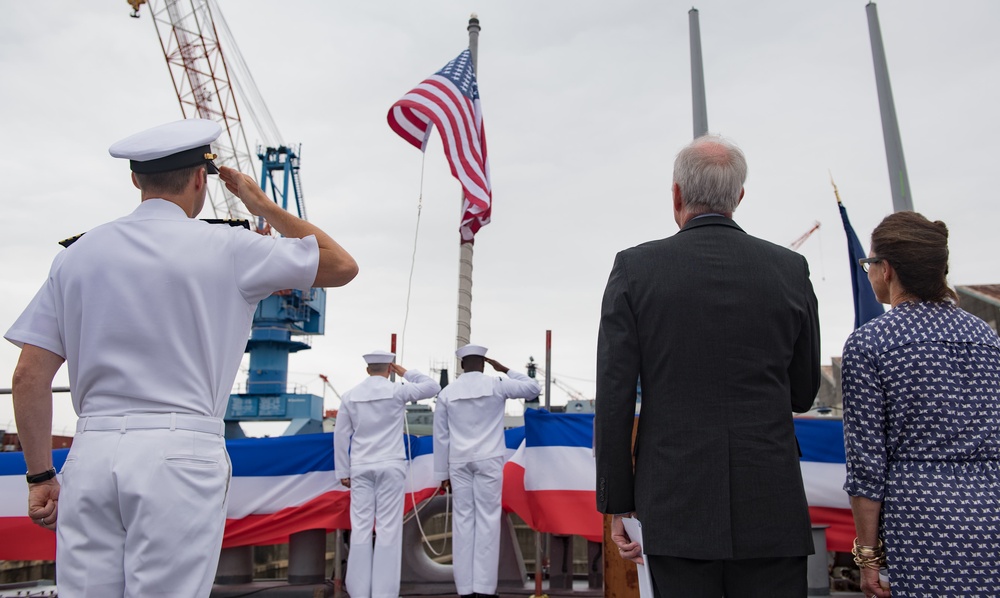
230,221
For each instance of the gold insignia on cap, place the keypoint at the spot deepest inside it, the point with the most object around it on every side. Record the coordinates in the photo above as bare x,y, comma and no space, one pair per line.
211,156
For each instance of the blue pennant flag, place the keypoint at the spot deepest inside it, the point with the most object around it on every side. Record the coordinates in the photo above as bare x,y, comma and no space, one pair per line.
866,306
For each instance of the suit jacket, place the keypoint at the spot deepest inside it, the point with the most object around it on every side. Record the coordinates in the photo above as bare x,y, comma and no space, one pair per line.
721,329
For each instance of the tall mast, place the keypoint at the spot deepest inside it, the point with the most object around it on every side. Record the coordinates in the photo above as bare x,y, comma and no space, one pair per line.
699,109
898,180
464,330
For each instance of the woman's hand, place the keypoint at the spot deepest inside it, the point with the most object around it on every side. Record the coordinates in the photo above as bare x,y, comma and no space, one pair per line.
870,584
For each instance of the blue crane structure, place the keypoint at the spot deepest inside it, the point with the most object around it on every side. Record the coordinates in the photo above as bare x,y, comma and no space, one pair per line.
277,319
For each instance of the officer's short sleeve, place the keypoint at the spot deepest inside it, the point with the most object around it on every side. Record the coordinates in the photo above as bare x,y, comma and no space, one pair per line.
38,324
268,264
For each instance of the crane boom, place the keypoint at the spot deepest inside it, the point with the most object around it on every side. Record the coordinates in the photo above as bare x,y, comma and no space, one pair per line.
573,393
190,43
798,242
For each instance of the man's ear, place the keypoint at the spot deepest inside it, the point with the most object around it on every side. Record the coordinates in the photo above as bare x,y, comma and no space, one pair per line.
742,190
135,182
200,178
678,200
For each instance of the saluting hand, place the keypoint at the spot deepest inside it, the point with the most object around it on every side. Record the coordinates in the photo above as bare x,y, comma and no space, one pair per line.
496,365
397,369
244,187
345,482
43,503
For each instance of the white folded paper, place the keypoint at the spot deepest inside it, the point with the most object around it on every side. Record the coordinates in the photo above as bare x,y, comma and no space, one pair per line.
634,530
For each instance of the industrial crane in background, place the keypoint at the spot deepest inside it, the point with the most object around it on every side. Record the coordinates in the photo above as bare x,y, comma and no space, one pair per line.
574,394
212,81
798,242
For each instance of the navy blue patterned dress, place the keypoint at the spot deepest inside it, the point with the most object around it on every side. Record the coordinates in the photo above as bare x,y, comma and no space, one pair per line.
922,432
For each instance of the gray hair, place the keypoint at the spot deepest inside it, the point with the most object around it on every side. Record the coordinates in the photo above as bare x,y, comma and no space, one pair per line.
710,172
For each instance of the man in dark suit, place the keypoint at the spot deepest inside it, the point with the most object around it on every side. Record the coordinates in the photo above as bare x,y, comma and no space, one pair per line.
721,331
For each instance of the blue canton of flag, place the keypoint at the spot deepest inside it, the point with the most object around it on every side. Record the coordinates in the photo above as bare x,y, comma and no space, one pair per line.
459,72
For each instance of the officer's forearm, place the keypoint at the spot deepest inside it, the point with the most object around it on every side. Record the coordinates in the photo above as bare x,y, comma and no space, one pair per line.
336,266
32,393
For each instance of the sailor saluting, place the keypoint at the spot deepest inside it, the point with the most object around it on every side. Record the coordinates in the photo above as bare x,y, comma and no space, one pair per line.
370,460
152,313
468,455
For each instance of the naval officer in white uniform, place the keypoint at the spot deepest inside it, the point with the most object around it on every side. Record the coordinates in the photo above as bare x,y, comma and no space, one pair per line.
370,460
468,454
152,312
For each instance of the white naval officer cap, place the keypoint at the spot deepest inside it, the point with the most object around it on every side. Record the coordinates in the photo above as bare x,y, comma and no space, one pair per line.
379,357
173,146
468,350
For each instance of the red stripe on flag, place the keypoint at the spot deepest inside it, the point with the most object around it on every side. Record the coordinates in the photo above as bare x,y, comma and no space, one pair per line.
419,496
840,534
464,126
515,499
571,512
463,148
329,511
402,132
25,541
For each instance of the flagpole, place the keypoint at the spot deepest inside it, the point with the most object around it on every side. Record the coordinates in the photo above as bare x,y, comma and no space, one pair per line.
899,182
698,104
464,330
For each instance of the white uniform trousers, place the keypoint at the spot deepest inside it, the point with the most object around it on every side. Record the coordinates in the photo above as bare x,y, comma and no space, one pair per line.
376,499
142,511
475,535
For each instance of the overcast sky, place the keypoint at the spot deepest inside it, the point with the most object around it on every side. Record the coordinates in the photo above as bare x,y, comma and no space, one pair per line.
585,103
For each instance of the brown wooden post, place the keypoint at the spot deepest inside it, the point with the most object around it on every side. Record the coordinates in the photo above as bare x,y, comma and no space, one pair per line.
621,580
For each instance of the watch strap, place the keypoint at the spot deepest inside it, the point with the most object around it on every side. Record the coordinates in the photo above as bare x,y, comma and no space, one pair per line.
41,477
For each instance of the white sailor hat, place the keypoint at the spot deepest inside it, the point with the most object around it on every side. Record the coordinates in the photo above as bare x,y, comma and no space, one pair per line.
468,350
172,146
379,357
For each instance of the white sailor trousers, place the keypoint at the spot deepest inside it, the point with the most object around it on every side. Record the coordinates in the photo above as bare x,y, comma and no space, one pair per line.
475,528
376,499
141,510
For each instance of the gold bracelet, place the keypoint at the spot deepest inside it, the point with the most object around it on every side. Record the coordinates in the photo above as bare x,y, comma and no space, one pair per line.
868,557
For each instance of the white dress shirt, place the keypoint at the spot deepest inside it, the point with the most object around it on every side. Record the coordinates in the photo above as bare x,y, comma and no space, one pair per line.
164,329
370,420
468,417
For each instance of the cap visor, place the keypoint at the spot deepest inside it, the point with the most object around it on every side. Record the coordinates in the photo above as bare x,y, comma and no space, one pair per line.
211,168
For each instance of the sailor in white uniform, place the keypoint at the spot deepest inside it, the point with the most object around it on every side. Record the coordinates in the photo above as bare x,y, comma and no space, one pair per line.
370,460
152,313
468,454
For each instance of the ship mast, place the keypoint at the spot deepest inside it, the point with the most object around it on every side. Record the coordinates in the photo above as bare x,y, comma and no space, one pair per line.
464,329
698,104
899,182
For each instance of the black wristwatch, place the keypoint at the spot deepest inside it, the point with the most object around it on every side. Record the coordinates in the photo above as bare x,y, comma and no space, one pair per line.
41,477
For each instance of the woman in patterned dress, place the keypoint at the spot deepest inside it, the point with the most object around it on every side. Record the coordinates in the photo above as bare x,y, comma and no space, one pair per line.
922,424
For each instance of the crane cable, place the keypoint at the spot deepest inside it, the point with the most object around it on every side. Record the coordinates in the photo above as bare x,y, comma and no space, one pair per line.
246,86
406,424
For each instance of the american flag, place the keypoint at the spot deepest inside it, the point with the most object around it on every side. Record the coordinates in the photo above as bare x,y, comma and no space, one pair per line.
450,99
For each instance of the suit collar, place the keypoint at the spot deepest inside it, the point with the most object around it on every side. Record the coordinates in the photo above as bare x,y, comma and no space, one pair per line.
712,220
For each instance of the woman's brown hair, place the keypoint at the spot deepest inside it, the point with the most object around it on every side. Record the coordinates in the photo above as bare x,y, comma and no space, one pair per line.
918,251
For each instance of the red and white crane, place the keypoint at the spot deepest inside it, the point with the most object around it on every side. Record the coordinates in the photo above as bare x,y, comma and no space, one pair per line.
207,82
